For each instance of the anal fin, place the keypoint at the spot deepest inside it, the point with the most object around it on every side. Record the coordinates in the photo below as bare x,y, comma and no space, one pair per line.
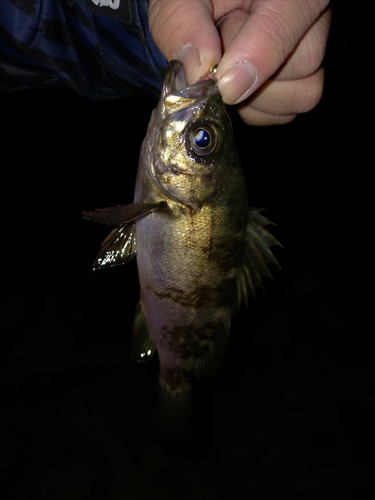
143,347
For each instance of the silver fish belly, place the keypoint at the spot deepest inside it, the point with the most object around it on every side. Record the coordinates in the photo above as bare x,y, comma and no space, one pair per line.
200,250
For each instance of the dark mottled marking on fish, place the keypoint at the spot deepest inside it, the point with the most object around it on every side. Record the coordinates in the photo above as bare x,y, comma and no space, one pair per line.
204,295
188,345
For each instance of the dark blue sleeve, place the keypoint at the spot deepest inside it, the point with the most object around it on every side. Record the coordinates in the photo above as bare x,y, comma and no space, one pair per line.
101,49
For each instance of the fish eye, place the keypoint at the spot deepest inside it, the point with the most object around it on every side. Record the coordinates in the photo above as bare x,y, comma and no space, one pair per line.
203,139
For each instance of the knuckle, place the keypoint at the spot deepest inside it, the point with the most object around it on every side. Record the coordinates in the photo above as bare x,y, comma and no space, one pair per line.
313,91
252,116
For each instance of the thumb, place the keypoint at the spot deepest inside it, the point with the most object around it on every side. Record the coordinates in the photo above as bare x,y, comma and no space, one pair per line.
258,42
185,30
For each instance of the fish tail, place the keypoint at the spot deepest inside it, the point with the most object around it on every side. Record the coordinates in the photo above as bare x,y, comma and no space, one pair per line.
172,422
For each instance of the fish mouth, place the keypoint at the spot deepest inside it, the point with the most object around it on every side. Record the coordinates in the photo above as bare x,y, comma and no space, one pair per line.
176,85
175,78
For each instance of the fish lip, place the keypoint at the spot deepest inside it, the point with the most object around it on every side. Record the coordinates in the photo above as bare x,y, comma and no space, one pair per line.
175,78
176,85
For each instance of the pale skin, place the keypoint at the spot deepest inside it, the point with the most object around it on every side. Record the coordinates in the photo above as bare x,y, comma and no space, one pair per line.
269,52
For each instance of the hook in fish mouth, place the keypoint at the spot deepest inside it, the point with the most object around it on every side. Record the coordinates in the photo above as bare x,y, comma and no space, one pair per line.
175,83
213,69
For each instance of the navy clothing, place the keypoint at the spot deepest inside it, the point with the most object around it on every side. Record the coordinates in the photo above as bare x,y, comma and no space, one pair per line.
101,49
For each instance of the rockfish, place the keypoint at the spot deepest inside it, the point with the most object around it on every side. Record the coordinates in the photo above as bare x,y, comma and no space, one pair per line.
200,250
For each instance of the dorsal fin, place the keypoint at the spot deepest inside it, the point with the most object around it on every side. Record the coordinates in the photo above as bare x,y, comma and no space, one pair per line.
256,255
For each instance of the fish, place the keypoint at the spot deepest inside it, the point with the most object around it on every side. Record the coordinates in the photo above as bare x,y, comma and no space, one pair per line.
200,250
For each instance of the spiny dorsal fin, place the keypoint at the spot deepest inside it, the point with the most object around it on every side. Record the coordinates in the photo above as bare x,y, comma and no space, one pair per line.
256,255
143,347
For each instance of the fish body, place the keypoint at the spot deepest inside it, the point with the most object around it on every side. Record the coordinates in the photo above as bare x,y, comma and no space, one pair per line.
200,250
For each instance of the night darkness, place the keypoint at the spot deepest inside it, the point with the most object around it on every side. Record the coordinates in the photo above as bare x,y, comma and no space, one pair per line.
289,415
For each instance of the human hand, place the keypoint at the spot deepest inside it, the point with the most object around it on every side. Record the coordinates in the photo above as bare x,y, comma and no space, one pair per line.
269,52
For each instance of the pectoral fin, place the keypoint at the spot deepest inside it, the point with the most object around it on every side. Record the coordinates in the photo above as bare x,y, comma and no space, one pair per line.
256,256
118,248
122,214
120,245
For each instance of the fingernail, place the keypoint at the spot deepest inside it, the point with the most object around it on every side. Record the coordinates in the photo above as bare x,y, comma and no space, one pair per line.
236,84
189,57
220,23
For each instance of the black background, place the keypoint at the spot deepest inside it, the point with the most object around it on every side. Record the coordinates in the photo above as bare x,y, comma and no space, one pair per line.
288,415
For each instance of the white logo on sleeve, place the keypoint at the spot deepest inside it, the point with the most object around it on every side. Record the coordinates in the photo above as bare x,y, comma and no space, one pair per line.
113,4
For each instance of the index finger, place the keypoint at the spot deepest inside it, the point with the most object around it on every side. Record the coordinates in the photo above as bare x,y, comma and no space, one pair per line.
262,41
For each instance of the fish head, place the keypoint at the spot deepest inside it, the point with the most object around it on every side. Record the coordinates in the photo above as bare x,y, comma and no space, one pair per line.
190,144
